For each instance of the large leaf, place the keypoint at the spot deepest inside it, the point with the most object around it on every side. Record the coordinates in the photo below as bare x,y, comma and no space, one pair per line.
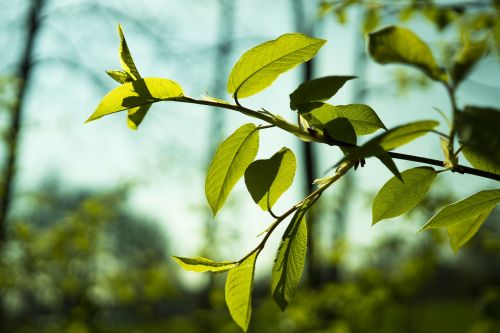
465,212
481,162
239,285
465,59
361,116
317,90
230,161
126,60
268,179
142,92
460,233
478,130
397,197
289,262
399,45
259,67
200,264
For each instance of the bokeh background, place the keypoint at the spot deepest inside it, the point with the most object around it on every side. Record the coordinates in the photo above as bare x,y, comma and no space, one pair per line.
96,210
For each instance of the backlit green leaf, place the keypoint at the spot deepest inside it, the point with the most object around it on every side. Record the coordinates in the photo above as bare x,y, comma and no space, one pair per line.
481,162
259,67
478,130
200,264
460,233
289,262
119,76
340,131
136,115
239,285
230,161
466,210
399,45
465,60
317,90
396,197
268,179
361,116
126,60
138,93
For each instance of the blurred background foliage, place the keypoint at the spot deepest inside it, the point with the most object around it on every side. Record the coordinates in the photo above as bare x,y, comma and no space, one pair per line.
80,259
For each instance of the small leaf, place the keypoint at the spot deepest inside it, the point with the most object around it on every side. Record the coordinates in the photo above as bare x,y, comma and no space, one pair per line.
399,45
387,160
138,93
466,59
119,76
468,209
480,161
267,180
136,116
259,67
289,262
449,159
126,60
371,19
361,116
478,130
396,197
230,161
239,285
460,233
200,264
317,90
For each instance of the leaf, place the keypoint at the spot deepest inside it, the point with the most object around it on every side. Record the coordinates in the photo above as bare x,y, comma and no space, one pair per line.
119,76
468,209
138,93
361,116
480,161
259,67
387,160
460,233
399,45
465,59
478,130
317,90
200,264
229,163
268,179
289,262
239,285
396,197
126,60
449,158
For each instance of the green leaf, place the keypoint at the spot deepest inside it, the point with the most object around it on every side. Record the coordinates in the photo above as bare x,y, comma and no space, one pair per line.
340,131
239,285
268,179
317,90
396,197
468,209
460,233
200,264
259,67
478,130
289,262
119,76
387,160
361,116
481,162
465,60
399,45
136,116
138,93
126,60
230,161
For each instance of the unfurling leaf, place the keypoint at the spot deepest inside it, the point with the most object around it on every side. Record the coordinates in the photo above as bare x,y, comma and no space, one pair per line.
463,218
466,59
317,90
268,179
259,67
142,92
397,197
362,117
229,163
126,60
289,262
399,45
239,285
478,130
450,160
200,264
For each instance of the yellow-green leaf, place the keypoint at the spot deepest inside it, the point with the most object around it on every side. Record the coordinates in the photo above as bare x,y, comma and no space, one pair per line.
239,285
230,161
466,58
126,60
317,90
259,67
480,161
138,93
460,233
200,264
136,115
399,45
268,179
397,197
289,262
119,76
